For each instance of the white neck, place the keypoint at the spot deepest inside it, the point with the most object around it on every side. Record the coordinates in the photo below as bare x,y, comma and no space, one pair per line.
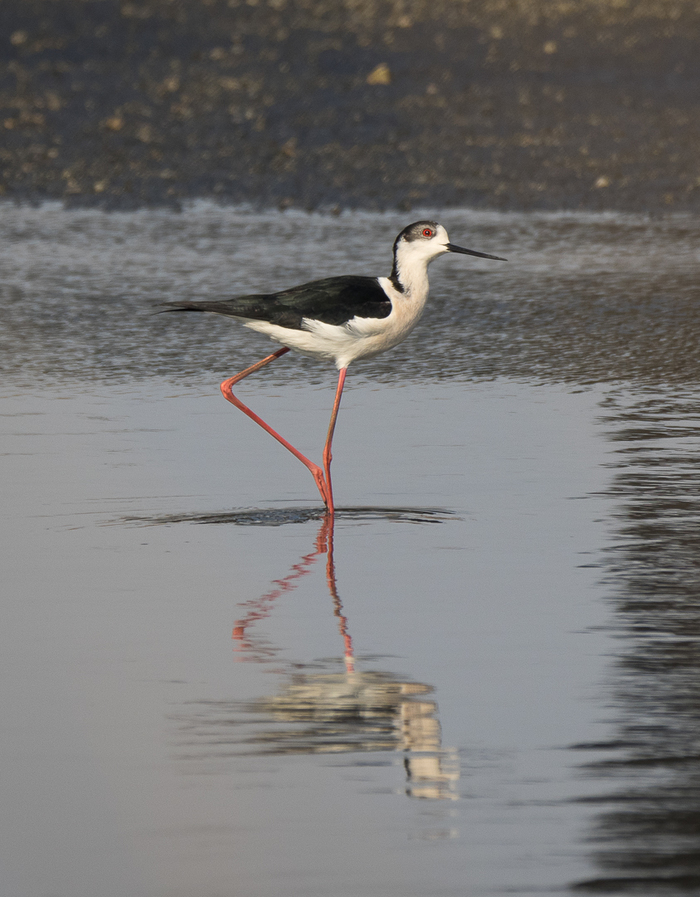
410,272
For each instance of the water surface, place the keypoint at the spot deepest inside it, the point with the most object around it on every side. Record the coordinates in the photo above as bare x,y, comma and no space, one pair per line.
482,681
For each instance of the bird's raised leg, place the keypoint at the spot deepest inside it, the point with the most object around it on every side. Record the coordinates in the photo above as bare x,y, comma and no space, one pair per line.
226,390
327,455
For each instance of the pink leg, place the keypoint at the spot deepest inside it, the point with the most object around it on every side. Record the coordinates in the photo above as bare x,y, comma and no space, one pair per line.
226,389
327,456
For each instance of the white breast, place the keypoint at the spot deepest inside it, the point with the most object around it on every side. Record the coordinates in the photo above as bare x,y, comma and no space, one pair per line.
358,338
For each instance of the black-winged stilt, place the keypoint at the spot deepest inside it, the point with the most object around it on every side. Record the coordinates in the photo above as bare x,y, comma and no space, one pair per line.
340,319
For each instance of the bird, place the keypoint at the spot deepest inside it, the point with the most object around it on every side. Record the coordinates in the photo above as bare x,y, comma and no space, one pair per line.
340,319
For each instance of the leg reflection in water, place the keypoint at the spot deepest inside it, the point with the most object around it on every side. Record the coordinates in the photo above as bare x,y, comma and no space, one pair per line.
260,608
326,707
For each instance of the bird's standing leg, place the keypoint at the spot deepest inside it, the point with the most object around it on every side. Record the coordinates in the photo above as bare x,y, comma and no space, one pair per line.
226,390
327,456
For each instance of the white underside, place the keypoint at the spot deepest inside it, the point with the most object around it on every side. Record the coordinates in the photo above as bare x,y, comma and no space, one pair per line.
358,338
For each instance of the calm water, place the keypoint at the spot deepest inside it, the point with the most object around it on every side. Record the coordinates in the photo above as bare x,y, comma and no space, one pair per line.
484,681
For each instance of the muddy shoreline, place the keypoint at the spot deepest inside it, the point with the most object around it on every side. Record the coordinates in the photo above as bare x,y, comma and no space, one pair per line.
318,105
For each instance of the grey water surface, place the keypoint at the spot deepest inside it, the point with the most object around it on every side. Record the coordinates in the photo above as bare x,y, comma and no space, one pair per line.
482,680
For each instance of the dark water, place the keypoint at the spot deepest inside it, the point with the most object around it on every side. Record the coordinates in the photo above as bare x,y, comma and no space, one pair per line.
484,680
646,835
583,298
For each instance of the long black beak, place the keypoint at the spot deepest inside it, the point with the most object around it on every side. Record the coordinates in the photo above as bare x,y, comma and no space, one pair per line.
480,255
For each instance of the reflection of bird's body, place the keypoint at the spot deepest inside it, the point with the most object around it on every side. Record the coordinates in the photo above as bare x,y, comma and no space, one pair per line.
340,319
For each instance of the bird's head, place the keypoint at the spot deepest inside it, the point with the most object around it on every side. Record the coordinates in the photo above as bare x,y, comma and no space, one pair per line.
419,243
427,240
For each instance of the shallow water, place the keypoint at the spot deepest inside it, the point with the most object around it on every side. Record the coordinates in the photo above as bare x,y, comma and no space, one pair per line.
484,680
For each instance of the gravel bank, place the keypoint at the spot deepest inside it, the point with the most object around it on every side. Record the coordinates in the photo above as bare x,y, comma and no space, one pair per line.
352,103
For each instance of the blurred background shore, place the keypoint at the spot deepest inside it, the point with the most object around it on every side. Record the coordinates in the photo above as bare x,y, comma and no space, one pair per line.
508,104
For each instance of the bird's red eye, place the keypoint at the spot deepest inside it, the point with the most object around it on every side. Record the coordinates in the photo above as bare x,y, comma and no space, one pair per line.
427,232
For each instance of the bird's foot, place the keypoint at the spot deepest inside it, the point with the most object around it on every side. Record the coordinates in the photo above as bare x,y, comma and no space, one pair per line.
323,487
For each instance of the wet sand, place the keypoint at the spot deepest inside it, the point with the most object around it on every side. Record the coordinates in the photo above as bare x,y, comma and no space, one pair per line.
527,105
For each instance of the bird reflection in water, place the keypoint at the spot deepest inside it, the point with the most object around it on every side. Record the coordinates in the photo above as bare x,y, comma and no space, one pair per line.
338,709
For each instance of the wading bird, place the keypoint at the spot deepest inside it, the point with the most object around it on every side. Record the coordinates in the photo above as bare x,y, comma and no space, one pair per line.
339,319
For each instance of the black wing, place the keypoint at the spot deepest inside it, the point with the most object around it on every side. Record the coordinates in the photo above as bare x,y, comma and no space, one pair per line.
334,300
